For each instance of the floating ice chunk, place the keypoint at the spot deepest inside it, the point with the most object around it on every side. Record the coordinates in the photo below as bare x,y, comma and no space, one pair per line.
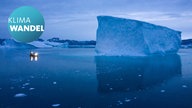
119,36
0,88
127,100
162,91
184,86
26,84
31,88
56,105
54,82
20,95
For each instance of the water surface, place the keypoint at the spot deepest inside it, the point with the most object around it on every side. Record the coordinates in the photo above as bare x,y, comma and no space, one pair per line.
76,78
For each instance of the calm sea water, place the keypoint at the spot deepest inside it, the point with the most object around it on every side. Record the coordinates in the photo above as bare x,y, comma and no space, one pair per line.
76,78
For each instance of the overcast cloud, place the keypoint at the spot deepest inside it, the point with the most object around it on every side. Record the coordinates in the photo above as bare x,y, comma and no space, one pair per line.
76,19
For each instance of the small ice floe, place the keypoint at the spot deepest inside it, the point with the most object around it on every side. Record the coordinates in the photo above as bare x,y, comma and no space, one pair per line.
23,87
162,91
31,89
139,75
54,82
26,84
135,98
127,100
184,86
0,88
56,105
120,102
20,95
110,88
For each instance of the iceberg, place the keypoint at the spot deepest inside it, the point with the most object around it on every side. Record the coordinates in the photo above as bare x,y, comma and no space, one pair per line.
10,43
119,36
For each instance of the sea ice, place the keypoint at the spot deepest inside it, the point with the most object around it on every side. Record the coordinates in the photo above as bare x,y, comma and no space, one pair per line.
55,105
26,84
118,36
162,91
184,86
127,100
20,95
139,75
31,88
54,83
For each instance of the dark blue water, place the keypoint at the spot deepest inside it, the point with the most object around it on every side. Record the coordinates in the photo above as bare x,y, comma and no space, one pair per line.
76,78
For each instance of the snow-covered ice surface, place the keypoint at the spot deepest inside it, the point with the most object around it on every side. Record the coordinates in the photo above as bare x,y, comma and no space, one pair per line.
118,36
76,78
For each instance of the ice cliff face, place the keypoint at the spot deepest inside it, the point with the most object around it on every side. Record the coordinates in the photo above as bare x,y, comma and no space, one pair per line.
118,36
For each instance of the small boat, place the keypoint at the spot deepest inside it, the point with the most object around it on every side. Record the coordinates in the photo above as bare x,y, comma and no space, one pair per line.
33,54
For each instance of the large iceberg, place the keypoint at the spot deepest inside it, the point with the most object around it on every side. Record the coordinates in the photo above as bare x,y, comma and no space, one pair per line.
119,36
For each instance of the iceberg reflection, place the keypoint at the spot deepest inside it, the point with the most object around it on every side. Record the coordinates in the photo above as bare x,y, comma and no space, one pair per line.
133,74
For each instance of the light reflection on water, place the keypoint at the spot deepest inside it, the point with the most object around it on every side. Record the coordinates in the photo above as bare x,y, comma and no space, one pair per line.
33,58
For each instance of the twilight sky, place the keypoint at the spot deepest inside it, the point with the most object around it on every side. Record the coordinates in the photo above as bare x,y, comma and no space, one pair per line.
76,19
